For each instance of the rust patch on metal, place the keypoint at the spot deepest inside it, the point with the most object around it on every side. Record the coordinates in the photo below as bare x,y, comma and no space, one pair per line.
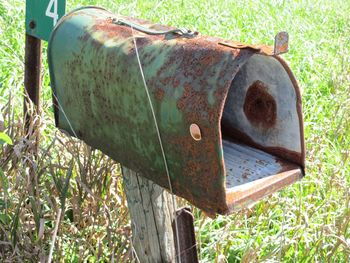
238,45
195,105
281,43
301,159
245,175
262,49
242,197
197,159
142,41
259,106
159,94
236,135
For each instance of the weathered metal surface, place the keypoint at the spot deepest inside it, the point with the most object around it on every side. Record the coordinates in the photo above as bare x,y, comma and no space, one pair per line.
242,195
96,77
263,109
257,164
180,31
252,174
187,253
281,43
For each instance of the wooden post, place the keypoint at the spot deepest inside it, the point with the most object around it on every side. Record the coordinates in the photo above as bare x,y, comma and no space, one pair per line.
152,213
32,82
153,224
32,85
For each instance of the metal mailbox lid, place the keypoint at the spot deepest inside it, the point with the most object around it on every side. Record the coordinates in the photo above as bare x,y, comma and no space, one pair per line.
100,98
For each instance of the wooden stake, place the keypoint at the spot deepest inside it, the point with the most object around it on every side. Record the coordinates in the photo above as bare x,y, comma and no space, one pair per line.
153,226
151,211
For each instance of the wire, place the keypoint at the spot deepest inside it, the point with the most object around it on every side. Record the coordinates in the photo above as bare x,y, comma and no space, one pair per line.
160,141
64,113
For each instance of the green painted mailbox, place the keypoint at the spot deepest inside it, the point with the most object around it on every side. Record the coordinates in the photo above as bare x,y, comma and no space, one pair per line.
229,114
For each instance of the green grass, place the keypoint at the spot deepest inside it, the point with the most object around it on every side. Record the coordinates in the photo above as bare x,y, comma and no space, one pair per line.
307,222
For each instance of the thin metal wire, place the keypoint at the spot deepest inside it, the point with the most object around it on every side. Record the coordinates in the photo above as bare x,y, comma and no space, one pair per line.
160,142
74,133
282,235
64,113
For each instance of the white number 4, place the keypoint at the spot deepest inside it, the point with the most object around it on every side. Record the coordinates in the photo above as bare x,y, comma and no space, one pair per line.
53,14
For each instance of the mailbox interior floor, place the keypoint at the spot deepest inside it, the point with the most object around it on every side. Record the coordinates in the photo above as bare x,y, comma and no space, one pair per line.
245,164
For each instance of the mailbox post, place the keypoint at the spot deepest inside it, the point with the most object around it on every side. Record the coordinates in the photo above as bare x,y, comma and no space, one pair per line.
151,213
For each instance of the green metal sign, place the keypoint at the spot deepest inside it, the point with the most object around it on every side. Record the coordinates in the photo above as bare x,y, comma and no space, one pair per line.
42,16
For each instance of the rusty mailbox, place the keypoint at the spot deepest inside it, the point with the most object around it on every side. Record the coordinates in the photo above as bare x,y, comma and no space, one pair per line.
229,114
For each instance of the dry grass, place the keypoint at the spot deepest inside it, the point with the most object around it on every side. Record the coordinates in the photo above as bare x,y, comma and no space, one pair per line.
67,176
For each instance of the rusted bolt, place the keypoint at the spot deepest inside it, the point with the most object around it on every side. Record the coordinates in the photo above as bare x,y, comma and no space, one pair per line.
195,132
32,24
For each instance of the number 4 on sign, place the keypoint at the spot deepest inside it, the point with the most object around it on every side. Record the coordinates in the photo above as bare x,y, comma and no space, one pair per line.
53,14
42,16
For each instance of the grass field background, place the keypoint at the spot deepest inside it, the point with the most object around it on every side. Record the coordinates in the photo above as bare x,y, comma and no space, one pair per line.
307,222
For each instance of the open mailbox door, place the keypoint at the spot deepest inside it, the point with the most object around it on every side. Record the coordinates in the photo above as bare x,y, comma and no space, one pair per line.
229,114
262,128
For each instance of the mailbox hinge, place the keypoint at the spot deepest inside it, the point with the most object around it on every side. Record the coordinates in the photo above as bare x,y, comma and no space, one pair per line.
179,31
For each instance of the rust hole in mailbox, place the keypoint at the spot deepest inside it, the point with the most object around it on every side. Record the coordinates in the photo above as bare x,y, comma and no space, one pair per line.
259,105
260,115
